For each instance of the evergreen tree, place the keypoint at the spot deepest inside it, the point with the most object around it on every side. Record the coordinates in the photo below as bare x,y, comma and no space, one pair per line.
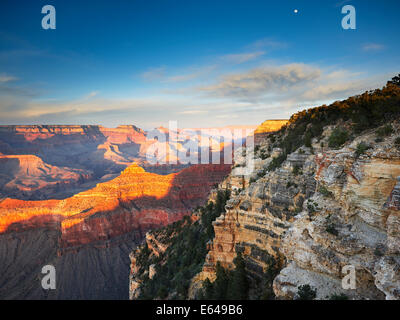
207,291
220,285
239,285
395,80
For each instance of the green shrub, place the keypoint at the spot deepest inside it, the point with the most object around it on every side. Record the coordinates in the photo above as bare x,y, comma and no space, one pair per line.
338,138
325,192
311,208
330,228
296,170
263,154
362,147
397,142
276,162
307,139
290,184
341,296
306,292
378,252
384,131
262,173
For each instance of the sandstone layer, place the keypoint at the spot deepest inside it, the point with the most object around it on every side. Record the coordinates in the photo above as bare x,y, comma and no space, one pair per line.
320,212
136,200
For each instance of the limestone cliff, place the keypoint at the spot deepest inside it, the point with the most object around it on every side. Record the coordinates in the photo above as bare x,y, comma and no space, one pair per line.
324,196
27,176
267,127
315,214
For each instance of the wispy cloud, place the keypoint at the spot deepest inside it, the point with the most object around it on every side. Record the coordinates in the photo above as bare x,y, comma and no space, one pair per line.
261,81
193,112
164,75
242,57
93,94
373,47
6,78
153,74
268,43
190,74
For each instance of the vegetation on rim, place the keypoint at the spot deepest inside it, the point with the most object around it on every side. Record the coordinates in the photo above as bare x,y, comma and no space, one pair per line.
355,115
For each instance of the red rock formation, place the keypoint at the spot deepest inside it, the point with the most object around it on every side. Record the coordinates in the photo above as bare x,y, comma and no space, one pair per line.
28,173
266,128
136,200
121,134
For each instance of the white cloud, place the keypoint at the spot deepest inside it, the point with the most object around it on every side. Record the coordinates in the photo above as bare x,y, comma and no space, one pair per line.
6,78
259,82
193,112
373,47
93,94
242,57
154,74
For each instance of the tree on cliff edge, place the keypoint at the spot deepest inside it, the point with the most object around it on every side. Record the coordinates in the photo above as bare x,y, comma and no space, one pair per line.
239,285
395,80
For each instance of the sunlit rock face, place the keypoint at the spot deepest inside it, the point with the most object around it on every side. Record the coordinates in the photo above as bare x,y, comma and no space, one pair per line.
267,127
136,200
89,235
27,176
317,213
56,162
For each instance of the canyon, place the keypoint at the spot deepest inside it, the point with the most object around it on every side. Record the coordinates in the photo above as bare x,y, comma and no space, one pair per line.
323,198
74,197
83,234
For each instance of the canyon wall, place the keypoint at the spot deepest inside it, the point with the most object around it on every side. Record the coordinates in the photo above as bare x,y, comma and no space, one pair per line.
88,236
267,127
321,210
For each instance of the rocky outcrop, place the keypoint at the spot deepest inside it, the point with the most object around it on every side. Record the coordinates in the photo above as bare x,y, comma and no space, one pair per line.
95,151
27,176
320,212
89,236
136,200
257,217
352,226
267,127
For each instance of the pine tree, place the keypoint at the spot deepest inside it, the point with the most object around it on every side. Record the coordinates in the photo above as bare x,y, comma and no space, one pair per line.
239,285
395,80
221,283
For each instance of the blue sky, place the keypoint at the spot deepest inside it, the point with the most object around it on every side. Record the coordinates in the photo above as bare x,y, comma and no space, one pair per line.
202,63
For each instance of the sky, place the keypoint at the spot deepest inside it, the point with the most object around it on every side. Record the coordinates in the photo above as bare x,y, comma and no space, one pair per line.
201,63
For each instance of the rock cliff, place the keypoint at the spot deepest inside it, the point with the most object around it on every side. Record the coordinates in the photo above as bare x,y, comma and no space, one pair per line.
320,211
27,176
322,202
88,236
